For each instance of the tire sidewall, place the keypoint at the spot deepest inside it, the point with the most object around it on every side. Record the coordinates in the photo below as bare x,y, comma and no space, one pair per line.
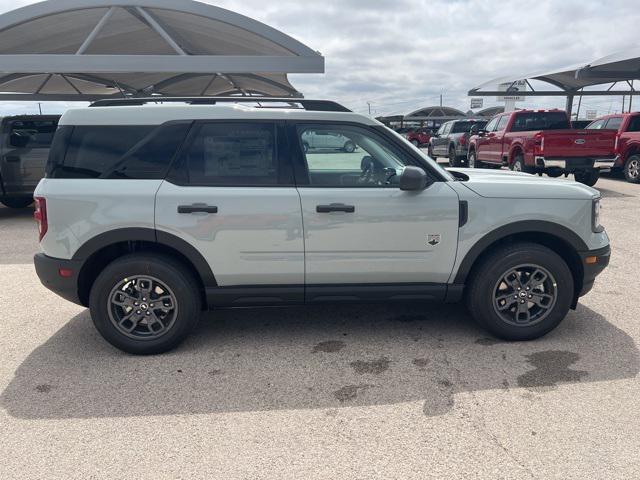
172,274
482,293
472,159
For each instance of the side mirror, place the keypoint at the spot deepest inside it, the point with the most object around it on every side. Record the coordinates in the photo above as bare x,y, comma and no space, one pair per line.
413,179
482,133
18,141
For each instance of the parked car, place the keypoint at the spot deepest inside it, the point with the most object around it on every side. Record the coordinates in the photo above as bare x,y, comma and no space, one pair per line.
404,130
420,136
542,141
24,147
322,140
452,140
147,219
627,141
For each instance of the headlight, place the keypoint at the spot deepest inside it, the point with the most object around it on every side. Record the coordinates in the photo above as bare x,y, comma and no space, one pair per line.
595,216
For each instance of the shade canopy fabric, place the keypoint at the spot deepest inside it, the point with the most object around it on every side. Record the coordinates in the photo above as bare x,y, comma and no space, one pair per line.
92,49
573,79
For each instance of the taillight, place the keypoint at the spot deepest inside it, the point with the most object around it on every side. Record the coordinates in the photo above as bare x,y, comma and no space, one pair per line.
615,146
463,140
40,216
538,144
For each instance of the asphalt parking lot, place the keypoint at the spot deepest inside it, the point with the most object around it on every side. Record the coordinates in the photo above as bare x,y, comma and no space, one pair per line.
333,392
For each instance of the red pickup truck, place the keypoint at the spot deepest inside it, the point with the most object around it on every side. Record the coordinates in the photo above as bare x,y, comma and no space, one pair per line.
420,136
627,142
542,141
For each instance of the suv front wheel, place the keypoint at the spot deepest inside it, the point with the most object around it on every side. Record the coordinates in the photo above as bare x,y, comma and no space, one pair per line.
520,292
145,304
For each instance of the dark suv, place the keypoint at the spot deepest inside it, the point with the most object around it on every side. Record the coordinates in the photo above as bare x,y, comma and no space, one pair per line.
452,140
24,148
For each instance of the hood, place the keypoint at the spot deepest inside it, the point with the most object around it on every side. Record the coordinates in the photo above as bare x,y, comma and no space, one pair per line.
507,184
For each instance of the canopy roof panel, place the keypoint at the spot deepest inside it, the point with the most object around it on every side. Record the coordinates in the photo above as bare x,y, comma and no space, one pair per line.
619,67
435,113
89,49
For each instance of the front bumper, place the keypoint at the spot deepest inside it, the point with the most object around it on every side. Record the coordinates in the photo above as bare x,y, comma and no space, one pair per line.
48,270
593,263
577,163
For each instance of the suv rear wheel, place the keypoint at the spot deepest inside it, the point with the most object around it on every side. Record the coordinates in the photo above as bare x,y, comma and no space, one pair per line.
521,292
349,147
632,169
145,304
17,202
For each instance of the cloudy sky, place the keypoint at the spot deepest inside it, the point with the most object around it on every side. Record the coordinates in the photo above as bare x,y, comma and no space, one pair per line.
403,54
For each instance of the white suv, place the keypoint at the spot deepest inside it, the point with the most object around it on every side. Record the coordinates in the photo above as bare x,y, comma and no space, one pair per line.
151,213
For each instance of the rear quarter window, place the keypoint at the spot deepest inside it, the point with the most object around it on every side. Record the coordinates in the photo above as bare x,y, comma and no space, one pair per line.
129,152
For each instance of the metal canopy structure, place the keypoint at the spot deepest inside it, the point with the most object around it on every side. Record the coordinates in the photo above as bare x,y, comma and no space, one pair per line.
88,50
619,68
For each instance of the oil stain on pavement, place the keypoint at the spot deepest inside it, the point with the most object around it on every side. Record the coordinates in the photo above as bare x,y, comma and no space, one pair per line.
349,392
551,367
330,346
375,367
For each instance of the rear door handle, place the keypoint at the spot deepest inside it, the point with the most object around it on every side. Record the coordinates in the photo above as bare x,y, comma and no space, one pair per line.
335,207
197,208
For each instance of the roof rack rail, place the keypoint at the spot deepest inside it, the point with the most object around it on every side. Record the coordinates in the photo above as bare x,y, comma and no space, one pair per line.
311,105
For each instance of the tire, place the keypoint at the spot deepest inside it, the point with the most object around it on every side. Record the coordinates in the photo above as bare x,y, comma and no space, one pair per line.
142,272
349,147
587,177
512,323
472,160
518,165
305,147
632,169
17,202
454,161
430,152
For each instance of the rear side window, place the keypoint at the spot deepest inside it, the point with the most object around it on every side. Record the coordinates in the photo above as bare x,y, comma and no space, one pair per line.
234,154
32,133
464,127
131,152
526,122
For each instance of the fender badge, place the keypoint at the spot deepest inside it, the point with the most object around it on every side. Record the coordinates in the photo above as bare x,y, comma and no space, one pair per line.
433,240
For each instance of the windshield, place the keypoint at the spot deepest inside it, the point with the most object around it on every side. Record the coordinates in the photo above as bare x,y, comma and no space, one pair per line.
526,122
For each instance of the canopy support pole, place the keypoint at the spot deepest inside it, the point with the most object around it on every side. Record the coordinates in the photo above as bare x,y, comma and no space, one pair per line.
569,104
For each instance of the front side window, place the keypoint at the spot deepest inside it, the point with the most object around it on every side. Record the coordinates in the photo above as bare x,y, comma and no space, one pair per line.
614,123
234,154
32,133
502,123
370,160
491,126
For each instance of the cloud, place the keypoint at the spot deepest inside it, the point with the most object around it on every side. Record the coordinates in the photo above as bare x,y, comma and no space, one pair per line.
403,54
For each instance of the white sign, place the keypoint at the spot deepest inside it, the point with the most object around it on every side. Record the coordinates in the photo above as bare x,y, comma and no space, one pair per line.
477,103
512,89
592,114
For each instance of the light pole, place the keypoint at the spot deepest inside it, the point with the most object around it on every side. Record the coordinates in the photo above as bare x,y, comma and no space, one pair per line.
40,107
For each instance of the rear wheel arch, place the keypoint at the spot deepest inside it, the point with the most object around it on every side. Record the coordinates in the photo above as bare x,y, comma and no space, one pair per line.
109,246
514,152
553,236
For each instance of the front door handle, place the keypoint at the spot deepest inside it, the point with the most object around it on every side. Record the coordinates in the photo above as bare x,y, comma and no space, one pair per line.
197,208
12,159
335,207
